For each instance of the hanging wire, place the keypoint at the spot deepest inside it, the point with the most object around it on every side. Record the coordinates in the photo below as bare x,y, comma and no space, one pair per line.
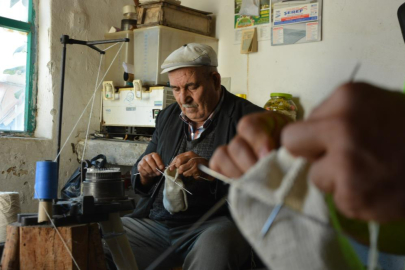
88,103
92,98
58,233
110,47
91,110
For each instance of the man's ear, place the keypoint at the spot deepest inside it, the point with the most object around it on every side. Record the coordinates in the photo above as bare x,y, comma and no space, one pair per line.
217,80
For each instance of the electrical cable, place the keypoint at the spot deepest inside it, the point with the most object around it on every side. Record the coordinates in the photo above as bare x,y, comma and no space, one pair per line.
91,110
60,236
110,47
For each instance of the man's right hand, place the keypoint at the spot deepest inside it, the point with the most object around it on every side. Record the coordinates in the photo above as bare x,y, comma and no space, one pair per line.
148,166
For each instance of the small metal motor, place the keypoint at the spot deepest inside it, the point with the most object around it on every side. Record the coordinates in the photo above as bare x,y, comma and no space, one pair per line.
105,185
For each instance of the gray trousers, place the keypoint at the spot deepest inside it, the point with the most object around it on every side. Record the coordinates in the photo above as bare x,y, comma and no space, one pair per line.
217,244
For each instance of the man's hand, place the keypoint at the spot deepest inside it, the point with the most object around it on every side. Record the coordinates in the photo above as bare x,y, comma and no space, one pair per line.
356,141
258,134
187,165
147,168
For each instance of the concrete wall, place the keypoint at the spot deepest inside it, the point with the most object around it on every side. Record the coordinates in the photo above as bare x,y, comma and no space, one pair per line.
354,31
85,20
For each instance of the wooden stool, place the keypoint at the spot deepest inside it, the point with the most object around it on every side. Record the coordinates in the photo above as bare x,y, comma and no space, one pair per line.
40,247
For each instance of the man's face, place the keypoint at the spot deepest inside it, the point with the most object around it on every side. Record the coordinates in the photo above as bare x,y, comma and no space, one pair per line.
197,91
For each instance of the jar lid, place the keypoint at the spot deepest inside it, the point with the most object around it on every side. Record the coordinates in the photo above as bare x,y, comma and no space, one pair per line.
241,95
128,9
285,95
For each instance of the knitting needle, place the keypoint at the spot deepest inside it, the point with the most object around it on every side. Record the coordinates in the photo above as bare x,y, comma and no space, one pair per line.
223,178
175,182
270,220
278,207
214,174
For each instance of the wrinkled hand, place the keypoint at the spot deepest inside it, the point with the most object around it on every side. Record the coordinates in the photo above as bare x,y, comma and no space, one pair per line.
147,168
187,165
356,141
258,134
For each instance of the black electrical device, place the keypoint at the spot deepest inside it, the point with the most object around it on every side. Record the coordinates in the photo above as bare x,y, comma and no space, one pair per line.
401,18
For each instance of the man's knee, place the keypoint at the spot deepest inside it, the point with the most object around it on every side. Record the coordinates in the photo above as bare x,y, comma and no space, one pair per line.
221,246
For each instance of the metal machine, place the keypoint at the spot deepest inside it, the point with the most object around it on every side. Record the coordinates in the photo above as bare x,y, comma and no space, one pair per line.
135,107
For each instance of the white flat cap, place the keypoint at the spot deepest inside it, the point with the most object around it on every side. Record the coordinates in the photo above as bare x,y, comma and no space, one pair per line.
190,55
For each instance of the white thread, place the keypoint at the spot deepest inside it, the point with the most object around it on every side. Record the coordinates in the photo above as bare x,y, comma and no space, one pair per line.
57,231
373,228
110,47
91,110
197,158
199,175
247,78
88,103
203,178
9,208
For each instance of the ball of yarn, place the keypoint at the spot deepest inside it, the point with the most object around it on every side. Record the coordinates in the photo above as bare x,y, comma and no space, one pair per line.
9,208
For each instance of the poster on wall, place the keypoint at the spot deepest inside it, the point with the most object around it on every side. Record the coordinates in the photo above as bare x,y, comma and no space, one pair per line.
263,33
296,21
243,21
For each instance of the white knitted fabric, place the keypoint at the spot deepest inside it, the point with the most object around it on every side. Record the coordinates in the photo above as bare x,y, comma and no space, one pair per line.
174,198
301,236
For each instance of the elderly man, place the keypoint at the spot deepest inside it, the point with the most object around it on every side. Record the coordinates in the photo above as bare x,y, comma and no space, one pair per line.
187,134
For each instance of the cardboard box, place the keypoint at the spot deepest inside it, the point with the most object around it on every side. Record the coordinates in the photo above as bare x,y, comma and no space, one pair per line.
176,16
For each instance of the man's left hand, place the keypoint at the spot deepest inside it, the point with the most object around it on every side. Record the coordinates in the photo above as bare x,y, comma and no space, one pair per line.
187,165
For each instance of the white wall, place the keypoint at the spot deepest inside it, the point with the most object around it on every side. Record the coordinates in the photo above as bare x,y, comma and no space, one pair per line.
84,20
364,31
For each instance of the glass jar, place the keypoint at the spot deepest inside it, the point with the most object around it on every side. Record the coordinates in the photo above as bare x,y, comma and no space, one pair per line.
241,95
282,103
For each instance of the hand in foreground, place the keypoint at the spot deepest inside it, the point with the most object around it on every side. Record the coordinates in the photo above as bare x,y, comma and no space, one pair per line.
187,165
356,142
147,168
258,134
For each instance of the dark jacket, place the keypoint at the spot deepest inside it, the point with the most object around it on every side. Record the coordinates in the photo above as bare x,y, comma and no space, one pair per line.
169,132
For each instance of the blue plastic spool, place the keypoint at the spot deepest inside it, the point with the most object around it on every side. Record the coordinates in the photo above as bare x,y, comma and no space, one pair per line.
46,180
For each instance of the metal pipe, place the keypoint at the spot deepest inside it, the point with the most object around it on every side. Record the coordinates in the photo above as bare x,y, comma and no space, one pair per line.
64,39
96,42
97,49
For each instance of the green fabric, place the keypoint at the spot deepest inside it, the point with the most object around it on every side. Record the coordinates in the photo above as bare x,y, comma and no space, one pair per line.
347,249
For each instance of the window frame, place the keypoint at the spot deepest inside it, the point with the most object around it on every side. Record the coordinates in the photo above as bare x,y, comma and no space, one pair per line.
30,88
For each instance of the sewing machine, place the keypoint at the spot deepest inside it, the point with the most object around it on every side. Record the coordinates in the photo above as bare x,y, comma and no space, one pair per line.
135,106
